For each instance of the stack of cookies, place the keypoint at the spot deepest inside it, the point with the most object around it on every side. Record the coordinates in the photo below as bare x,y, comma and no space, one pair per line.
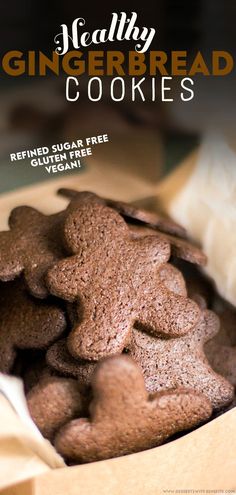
108,335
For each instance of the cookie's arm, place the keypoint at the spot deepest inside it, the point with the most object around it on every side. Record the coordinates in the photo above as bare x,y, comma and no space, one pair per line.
208,326
166,313
24,217
103,331
177,410
151,250
63,279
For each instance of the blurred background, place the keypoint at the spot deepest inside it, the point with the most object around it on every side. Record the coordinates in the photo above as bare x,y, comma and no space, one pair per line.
148,138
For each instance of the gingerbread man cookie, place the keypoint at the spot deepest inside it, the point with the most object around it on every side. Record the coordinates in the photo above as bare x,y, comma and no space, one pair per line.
25,323
168,363
115,281
31,246
124,419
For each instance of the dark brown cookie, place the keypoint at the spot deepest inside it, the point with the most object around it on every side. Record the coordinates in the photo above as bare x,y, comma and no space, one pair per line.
115,281
53,402
196,281
58,356
31,246
25,323
60,360
168,363
124,419
172,279
221,350
130,211
180,248
223,360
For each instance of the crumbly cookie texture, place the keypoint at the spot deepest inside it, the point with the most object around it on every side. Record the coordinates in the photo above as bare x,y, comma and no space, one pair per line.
115,281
